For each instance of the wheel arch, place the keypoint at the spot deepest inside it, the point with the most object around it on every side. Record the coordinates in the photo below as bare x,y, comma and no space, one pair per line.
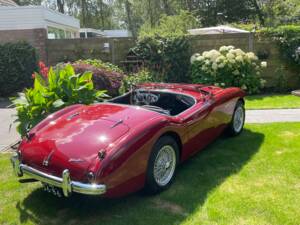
241,100
176,137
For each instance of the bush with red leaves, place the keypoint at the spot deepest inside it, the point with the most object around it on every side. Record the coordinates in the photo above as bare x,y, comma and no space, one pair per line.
102,79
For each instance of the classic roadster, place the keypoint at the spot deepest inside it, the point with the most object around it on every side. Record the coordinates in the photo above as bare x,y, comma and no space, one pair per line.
130,142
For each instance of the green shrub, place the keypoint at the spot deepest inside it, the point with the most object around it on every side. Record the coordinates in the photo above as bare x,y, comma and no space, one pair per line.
143,76
101,65
170,26
17,63
60,88
288,39
166,57
228,67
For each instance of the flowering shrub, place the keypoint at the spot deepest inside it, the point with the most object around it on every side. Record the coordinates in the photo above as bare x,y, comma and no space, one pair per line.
52,91
104,78
228,67
143,76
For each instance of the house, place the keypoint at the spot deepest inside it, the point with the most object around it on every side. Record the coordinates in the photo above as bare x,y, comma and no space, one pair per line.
35,24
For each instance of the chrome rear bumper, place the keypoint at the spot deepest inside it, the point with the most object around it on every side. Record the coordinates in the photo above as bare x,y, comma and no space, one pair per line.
65,183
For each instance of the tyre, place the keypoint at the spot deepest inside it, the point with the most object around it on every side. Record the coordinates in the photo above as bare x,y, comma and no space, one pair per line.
238,120
162,165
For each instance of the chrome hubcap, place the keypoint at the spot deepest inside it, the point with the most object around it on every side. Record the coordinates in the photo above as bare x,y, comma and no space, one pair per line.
164,165
238,119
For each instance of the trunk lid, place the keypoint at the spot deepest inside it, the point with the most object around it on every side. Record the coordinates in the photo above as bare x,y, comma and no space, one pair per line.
73,140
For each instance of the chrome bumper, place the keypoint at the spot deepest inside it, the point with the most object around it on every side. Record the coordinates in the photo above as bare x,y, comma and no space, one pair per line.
65,183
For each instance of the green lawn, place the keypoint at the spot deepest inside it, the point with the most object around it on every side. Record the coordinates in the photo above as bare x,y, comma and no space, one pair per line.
275,101
250,179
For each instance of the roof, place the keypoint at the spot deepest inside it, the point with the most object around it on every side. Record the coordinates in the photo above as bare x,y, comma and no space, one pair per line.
8,3
216,30
117,33
34,17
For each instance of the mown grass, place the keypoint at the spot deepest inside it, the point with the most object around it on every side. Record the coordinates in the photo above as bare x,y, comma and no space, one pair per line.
274,101
250,179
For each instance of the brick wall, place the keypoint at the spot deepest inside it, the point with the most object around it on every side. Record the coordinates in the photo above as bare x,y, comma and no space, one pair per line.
36,37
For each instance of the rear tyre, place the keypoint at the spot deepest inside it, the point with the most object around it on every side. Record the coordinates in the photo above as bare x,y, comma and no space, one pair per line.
238,120
162,165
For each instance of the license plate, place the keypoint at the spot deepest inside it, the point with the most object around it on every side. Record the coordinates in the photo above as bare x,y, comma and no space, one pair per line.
52,189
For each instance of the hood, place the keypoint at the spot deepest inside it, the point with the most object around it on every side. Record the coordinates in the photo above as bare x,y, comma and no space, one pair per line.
73,140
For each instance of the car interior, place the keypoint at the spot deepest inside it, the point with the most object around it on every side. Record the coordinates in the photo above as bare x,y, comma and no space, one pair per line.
159,101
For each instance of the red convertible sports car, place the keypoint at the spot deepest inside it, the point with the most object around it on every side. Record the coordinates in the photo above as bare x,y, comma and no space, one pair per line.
130,142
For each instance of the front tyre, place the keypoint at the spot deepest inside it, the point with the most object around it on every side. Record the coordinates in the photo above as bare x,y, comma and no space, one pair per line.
238,120
162,165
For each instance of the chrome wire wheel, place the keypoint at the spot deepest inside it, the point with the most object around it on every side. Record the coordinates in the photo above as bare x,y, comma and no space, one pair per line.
238,119
164,165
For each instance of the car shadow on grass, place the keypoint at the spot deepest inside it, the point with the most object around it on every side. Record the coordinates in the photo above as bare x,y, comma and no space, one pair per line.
195,179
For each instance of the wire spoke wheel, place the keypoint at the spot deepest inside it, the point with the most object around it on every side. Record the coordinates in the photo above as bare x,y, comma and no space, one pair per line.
164,165
238,119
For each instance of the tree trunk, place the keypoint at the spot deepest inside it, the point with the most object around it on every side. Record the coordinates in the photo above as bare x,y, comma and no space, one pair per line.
60,6
259,12
166,7
129,18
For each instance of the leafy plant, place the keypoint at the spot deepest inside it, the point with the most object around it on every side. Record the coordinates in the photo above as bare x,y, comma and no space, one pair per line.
228,67
143,76
288,40
17,62
166,57
101,65
106,76
170,26
281,81
60,88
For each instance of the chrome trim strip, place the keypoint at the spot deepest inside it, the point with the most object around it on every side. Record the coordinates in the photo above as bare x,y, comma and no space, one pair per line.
65,183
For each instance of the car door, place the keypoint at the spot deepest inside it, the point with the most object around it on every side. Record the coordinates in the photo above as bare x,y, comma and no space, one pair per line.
203,125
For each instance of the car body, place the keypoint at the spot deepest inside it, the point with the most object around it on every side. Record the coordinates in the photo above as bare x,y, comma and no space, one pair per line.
105,148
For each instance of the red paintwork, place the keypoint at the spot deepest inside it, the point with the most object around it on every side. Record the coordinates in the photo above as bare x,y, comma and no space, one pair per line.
80,131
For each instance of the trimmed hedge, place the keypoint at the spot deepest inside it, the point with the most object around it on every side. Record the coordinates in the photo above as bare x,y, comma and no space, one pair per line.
17,63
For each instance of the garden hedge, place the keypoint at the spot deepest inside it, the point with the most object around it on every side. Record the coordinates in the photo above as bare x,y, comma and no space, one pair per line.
17,63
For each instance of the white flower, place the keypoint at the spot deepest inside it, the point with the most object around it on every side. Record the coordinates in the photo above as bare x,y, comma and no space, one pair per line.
239,58
220,59
244,87
214,66
223,84
221,65
200,58
232,61
230,56
251,56
264,64
223,49
194,57
236,72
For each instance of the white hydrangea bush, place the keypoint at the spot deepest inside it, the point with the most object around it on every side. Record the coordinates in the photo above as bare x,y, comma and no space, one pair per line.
228,67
